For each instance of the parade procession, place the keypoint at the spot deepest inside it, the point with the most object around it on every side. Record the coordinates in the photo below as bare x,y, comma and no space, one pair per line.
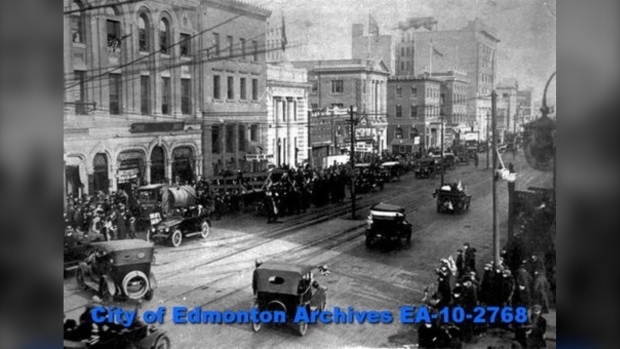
275,174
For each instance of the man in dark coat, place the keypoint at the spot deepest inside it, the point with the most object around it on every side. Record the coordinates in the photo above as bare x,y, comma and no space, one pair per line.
540,291
536,338
121,224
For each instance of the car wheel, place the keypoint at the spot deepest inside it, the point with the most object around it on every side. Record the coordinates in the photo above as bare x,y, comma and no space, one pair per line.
176,238
163,342
205,229
303,328
368,242
79,276
256,326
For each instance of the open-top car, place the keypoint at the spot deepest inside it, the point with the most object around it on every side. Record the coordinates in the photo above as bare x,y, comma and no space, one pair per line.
387,223
285,286
119,268
367,178
452,198
112,335
182,217
77,246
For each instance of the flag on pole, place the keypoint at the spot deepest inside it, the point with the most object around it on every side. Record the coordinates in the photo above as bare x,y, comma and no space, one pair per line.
373,27
284,41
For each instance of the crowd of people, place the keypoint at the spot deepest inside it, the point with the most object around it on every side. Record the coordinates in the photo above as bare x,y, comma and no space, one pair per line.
459,284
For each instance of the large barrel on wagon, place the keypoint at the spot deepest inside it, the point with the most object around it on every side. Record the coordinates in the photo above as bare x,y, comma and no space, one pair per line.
181,196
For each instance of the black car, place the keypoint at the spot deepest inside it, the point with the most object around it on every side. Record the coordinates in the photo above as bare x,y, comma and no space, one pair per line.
387,223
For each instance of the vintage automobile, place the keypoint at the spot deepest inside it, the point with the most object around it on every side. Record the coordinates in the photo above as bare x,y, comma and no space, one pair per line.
119,268
139,335
285,286
148,201
452,198
387,223
391,171
182,217
426,168
367,178
76,247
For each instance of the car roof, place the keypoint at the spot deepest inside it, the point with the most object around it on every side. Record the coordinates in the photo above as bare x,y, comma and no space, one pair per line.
387,208
122,245
287,267
363,165
390,163
151,186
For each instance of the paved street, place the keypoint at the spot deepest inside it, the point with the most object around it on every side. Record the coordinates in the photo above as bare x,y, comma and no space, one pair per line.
216,273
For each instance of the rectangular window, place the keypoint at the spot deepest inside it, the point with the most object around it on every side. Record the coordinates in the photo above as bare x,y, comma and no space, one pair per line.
80,107
254,133
114,35
402,51
230,138
145,94
115,94
314,106
165,95
216,87
185,45
242,41
364,86
254,51
216,141
77,28
399,91
254,89
242,134
216,44
186,96
230,88
229,40
315,86
243,89
399,111
414,111
402,65
337,86
414,92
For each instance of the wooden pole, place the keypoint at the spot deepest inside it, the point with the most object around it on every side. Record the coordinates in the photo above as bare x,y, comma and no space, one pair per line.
496,247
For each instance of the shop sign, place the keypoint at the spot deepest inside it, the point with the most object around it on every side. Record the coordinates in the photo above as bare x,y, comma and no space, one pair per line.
145,127
127,175
258,157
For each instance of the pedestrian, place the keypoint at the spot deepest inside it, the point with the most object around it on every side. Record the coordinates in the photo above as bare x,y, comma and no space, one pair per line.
540,291
536,338
121,224
460,263
476,160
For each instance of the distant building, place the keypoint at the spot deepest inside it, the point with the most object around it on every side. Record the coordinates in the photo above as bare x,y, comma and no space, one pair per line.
507,108
525,105
372,46
338,84
287,121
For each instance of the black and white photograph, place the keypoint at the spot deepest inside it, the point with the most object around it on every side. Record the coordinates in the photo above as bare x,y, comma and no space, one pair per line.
309,174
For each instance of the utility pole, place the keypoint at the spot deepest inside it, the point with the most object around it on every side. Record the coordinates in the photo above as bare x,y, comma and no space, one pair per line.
352,132
487,138
496,246
443,167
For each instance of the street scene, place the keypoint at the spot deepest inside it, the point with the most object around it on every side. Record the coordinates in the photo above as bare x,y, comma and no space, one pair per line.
226,156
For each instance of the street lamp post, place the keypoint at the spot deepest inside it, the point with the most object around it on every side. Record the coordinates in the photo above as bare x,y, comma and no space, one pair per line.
443,169
352,110
494,181
487,137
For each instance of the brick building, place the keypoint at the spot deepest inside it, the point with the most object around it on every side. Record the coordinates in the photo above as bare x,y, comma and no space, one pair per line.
351,82
139,82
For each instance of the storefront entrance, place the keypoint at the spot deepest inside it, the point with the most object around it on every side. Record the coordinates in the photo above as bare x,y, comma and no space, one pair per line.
130,170
158,165
183,164
101,181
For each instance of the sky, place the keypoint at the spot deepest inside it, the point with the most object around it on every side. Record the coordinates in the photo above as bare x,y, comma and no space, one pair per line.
526,29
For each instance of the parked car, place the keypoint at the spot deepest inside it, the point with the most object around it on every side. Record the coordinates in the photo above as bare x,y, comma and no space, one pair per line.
139,335
387,223
182,217
285,286
426,168
119,268
391,171
76,247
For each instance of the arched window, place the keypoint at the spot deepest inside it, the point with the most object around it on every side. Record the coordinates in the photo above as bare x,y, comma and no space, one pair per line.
143,33
398,134
164,35
77,22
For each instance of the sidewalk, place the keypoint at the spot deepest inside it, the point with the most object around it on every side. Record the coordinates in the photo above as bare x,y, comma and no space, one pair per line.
503,339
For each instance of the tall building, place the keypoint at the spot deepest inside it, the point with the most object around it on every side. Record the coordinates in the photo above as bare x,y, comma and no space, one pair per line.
359,83
507,107
287,109
525,106
145,84
470,49
371,45
234,76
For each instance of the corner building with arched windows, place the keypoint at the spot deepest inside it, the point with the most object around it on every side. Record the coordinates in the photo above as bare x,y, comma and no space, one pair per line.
139,88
